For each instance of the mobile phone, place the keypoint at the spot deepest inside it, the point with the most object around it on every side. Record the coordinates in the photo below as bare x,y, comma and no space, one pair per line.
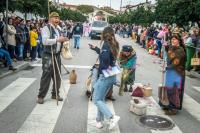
90,45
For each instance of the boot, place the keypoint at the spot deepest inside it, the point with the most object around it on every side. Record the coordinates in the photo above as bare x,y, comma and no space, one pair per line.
12,68
40,100
130,89
59,98
125,88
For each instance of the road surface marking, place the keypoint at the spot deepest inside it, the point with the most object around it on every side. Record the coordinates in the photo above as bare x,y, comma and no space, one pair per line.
154,109
92,113
191,106
12,91
196,88
68,66
43,118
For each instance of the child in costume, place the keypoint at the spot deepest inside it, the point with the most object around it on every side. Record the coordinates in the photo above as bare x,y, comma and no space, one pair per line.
127,60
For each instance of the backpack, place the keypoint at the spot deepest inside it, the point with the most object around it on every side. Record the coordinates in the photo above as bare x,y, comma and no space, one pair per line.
78,28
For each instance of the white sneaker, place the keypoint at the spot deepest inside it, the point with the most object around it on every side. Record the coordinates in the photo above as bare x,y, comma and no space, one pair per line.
113,121
99,125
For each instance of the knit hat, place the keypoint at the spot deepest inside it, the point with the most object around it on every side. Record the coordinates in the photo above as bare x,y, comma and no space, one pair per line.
127,48
53,14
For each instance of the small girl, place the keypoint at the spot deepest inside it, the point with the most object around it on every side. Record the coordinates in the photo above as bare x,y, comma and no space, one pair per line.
127,60
33,42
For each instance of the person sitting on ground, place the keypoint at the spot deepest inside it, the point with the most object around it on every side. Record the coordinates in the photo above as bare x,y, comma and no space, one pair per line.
127,60
4,53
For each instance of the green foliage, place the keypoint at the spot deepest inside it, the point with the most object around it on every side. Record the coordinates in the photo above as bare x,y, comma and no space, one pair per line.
40,7
67,14
108,10
180,12
140,16
85,9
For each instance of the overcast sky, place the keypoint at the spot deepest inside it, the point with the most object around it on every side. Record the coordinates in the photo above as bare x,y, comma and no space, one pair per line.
114,3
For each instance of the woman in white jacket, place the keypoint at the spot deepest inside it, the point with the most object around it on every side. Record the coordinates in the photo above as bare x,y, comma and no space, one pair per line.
11,38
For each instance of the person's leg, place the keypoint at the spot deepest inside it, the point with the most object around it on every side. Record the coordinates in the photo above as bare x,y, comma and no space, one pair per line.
100,91
25,51
78,42
7,56
21,50
46,76
34,52
94,76
121,88
39,50
75,41
11,51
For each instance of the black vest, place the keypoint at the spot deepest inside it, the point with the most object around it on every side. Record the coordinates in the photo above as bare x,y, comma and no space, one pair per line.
47,48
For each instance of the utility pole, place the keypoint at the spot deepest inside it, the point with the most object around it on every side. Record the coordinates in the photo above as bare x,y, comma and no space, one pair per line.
121,6
110,4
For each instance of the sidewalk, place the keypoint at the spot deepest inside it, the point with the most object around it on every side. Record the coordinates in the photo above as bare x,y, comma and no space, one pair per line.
19,65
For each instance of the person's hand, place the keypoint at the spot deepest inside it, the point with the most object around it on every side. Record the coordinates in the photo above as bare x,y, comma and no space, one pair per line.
110,68
92,46
62,39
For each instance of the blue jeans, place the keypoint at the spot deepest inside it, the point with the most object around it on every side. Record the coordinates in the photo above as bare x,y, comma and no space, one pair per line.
94,76
159,44
7,56
39,50
20,50
77,39
101,88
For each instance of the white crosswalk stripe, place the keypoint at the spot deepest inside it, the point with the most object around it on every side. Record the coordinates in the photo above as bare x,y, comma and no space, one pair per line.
197,88
43,118
12,91
92,113
191,106
68,66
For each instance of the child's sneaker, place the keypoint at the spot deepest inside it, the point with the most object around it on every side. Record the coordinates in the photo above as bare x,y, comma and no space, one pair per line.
99,125
130,89
113,121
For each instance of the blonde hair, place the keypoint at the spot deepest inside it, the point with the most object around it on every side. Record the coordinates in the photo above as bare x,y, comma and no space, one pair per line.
108,35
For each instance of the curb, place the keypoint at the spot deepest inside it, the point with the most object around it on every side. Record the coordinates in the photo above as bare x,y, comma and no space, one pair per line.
19,67
195,74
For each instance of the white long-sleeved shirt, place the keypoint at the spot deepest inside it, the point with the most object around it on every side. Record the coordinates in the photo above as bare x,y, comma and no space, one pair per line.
46,37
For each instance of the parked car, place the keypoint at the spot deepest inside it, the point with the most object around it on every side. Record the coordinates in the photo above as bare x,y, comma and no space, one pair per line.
97,28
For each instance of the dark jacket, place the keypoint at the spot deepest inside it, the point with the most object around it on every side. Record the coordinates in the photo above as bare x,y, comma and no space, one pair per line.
106,58
77,30
21,37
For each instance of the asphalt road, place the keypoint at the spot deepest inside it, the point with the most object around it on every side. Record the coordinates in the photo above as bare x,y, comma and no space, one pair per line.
20,113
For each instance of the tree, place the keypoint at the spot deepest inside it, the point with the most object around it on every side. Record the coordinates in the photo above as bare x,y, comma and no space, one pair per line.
139,16
11,5
180,12
108,10
28,6
67,14
85,9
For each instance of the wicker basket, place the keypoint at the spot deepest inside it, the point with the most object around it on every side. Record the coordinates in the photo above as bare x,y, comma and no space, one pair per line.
147,91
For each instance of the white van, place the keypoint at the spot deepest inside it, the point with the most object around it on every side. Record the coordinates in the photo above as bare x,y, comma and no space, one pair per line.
97,28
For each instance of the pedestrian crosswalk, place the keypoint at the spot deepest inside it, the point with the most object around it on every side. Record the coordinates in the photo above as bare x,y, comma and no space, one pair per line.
91,126
12,91
196,88
43,118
